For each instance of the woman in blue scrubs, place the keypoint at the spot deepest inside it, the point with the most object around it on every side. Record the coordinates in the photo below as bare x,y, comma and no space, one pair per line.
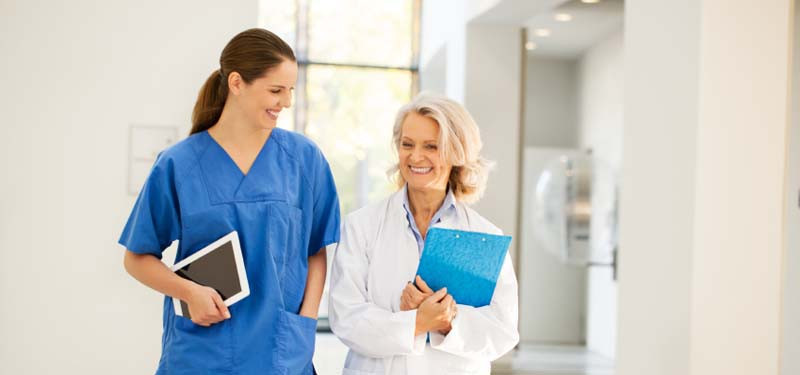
237,171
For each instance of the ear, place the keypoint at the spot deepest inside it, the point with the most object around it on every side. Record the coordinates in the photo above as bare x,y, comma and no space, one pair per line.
235,83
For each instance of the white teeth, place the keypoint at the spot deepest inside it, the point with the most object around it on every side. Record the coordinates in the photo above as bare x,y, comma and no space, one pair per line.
420,170
272,113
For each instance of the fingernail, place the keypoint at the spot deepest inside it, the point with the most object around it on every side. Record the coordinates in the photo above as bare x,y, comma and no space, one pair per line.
227,315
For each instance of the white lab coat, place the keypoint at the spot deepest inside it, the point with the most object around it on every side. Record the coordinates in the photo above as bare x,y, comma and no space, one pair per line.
375,259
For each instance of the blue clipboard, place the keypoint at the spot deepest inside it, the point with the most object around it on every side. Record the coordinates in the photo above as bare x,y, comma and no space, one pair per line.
467,263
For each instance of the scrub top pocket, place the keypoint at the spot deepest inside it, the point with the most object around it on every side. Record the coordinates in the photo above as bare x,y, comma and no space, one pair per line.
295,340
212,347
284,245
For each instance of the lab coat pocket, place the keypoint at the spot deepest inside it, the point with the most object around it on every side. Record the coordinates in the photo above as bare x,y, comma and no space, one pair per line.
295,342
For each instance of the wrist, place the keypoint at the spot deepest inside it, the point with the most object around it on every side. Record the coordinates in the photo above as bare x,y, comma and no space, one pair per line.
308,312
419,326
185,289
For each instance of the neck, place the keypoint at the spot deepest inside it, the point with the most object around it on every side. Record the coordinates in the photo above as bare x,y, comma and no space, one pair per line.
425,202
233,130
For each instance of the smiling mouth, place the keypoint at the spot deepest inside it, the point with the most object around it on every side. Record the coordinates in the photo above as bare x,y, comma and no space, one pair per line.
272,114
416,170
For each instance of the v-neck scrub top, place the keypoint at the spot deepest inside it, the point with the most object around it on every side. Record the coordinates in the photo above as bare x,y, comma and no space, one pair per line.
285,209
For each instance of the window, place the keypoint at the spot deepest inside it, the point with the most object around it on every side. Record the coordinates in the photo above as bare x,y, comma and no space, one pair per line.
357,65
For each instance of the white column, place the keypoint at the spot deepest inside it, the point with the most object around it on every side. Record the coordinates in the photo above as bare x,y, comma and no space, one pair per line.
790,352
739,186
706,106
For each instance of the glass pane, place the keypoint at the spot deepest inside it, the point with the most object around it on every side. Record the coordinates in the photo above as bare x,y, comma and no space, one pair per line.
363,32
280,17
350,116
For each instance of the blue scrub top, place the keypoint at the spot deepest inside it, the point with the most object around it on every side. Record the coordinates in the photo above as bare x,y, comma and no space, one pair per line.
285,209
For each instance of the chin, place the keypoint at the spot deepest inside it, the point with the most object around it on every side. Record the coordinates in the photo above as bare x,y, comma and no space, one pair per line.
418,184
268,125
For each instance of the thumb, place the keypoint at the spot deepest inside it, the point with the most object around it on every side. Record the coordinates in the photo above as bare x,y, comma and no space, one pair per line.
436,297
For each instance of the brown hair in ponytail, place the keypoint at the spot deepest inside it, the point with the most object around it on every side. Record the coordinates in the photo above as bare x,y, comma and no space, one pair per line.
251,53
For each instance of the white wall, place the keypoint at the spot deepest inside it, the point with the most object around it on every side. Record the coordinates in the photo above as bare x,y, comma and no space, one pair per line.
657,191
488,84
790,354
551,102
76,75
601,84
493,96
703,188
552,294
442,49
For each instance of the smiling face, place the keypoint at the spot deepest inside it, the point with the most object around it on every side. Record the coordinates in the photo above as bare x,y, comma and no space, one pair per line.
420,163
262,100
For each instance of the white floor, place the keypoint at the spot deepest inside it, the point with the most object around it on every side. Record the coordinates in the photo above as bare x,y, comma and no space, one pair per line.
553,360
525,360
329,354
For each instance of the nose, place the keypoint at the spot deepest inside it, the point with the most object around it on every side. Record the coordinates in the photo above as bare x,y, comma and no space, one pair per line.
286,99
416,154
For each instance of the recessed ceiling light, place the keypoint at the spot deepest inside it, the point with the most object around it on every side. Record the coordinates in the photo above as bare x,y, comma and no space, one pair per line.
542,32
563,17
530,46
590,1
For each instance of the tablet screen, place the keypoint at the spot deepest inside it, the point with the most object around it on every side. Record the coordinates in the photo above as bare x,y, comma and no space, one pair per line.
216,269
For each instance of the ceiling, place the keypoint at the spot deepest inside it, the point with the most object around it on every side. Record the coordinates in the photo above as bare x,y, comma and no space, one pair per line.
590,24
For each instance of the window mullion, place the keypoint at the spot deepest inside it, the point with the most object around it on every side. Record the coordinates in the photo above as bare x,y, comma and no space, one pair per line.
301,50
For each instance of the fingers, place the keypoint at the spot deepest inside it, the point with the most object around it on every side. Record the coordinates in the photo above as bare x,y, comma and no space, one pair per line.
208,308
423,286
438,296
223,310
404,303
412,296
412,291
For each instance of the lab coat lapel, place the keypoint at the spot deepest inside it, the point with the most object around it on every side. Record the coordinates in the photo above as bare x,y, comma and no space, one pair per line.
402,254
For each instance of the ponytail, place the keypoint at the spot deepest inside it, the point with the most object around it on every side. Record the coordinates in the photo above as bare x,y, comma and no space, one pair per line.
210,102
251,53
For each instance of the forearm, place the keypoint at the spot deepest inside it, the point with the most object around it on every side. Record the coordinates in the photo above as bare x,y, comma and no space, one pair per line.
355,324
317,269
150,271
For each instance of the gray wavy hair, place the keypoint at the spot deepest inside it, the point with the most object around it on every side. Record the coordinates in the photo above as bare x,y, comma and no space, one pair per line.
459,144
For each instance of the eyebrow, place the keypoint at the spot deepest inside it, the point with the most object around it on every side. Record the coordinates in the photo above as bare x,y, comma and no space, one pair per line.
426,141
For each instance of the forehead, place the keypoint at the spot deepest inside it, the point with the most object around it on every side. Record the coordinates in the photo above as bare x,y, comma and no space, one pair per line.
419,127
285,74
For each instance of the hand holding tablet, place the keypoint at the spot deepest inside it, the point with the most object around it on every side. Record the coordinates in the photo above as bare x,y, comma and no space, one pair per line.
219,271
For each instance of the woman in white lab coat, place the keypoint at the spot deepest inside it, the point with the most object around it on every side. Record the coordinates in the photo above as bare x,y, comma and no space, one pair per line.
390,325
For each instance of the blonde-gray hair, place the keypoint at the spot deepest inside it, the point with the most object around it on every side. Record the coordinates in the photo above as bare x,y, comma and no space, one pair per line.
459,144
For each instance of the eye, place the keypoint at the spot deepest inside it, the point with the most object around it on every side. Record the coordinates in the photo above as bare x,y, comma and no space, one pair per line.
431,147
275,91
406,145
